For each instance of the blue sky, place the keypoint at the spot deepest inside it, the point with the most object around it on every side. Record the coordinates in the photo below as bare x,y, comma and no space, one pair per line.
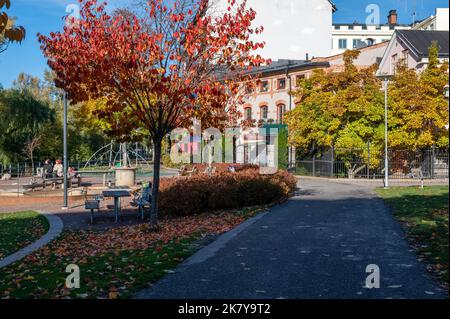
45,16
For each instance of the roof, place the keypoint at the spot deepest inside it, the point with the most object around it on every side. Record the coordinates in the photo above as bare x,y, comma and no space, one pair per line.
340,55
420,41
355,23
287,65
333,6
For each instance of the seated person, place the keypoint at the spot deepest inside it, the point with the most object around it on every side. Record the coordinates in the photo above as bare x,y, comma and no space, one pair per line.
48,169
58,169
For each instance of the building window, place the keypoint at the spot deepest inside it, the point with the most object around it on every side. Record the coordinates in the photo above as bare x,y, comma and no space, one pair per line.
281,109
356,43
364,27
405,57
299,78
350,27
264,112
342,43
370,42
249,88
248,113
264,87
393,63
281,84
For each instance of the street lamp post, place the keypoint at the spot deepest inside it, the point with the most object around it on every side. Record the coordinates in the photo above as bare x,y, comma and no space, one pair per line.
65,205
385,78
386,136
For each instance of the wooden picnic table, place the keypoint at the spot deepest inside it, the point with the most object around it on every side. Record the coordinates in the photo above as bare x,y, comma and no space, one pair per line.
116,194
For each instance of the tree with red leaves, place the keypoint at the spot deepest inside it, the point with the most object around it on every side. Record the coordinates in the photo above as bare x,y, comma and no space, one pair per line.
159,72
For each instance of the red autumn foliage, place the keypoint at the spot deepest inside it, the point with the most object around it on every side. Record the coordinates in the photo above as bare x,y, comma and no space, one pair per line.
203,193
158,72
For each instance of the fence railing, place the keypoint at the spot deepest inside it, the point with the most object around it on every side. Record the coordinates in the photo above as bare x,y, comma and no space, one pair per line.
27,169
370,164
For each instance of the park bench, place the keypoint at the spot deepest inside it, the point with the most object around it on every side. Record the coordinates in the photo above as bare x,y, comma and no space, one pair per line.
416,173
183,171
53,182
142,200
93,203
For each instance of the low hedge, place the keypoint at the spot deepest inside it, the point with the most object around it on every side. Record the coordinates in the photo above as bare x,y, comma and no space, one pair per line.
184,196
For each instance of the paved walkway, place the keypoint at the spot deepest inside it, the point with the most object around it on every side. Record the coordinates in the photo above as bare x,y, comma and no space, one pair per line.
55,228
316,245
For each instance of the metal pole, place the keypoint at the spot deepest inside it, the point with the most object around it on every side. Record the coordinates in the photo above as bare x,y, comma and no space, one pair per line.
386,157
65,205
433,160
368,159
332,161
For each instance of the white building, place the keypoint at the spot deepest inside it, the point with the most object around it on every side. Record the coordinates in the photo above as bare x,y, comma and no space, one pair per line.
437,22
292,28
355,35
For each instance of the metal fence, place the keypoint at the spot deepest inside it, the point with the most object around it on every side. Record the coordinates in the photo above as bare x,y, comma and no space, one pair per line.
369,164
26,169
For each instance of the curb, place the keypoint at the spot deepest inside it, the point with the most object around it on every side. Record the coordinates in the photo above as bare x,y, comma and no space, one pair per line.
54,230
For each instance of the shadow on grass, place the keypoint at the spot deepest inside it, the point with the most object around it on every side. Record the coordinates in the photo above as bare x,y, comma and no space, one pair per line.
424,215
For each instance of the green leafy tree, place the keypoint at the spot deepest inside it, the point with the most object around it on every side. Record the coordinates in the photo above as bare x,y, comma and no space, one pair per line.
418,110
23,119
344,110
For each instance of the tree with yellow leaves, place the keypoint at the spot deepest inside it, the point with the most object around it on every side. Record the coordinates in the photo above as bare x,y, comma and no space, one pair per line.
418,110
344,110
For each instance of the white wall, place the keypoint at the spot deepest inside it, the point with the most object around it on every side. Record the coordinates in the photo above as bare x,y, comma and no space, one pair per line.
442,16
293,28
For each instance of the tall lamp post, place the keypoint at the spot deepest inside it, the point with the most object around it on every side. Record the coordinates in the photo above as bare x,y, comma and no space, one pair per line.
446,96
65,205
385,78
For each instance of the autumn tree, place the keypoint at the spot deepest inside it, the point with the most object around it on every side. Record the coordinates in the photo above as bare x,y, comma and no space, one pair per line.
8,31
341,109
418,110
158,72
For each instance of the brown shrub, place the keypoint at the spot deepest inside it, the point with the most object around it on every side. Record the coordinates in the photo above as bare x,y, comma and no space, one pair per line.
201,193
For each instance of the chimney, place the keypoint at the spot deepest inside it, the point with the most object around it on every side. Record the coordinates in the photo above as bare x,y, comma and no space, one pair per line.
392,17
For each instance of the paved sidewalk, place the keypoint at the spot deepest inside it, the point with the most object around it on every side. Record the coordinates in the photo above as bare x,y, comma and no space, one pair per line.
316,245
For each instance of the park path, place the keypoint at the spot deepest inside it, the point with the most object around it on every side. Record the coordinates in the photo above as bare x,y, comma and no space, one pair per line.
317,245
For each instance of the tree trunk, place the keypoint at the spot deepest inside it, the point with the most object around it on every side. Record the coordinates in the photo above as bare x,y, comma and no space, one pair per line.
32,165
155,186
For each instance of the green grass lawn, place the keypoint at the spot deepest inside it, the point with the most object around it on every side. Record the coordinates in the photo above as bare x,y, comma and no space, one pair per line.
424,215
20,229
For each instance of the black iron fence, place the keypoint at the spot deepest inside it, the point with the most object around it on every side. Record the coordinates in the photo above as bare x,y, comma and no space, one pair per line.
370,164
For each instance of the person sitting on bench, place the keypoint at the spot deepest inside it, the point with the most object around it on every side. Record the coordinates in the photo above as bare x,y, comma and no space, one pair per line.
58,169
48,169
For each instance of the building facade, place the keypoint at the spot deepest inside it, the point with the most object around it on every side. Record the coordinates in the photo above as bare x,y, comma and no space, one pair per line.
411,46
437,22
355,35
267,102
